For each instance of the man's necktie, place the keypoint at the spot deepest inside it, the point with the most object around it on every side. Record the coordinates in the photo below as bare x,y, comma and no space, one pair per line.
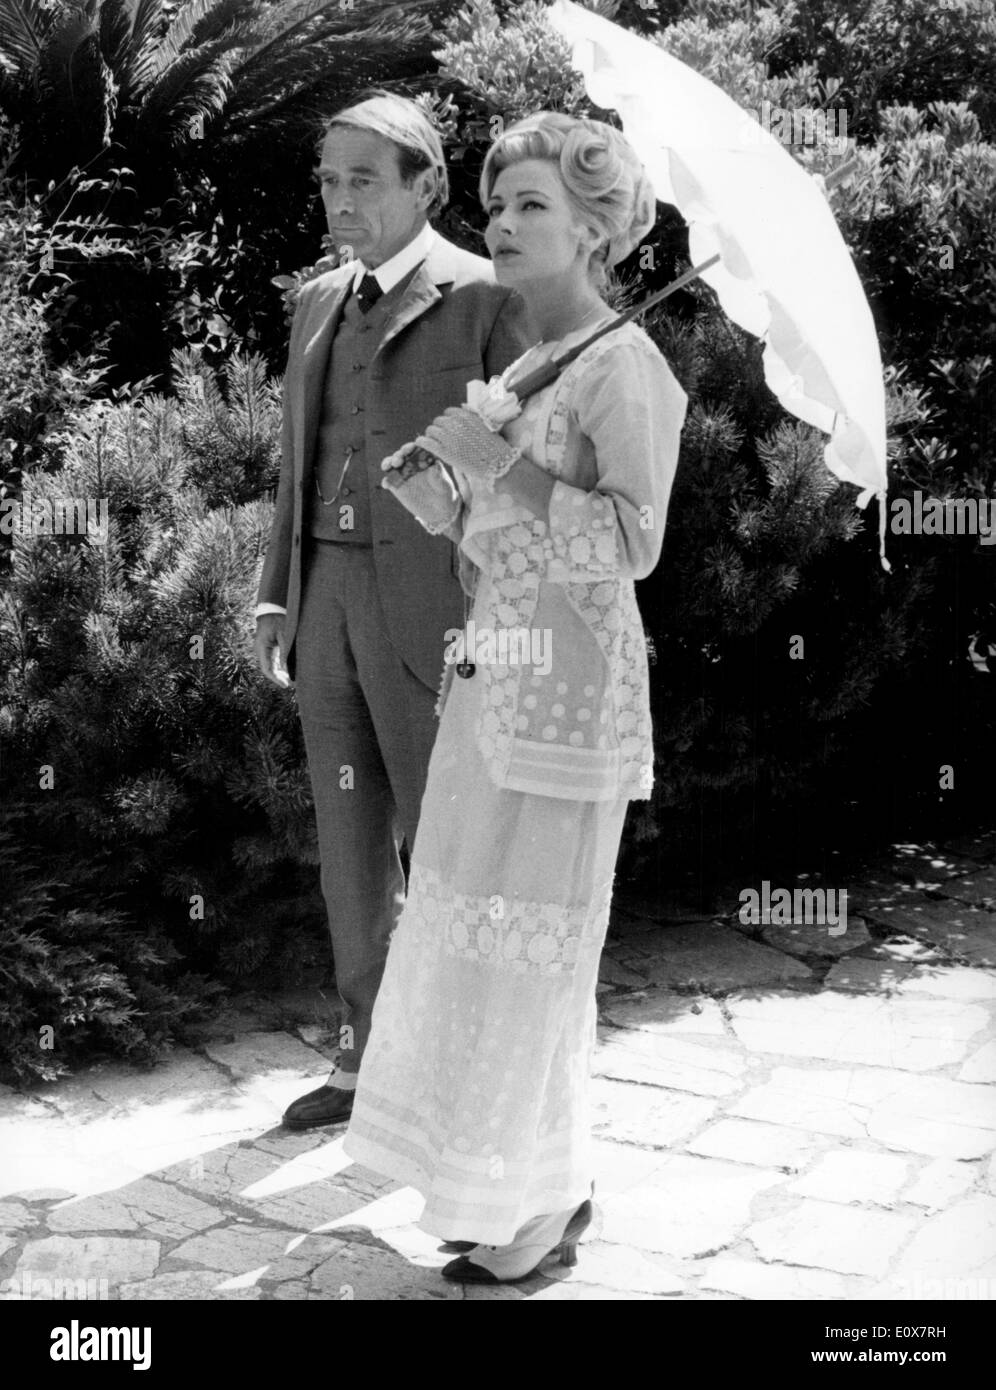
368,293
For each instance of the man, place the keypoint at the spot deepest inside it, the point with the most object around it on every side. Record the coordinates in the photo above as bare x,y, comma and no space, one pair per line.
355,596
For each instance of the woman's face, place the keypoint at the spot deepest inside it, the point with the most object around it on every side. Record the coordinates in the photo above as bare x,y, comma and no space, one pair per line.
533,233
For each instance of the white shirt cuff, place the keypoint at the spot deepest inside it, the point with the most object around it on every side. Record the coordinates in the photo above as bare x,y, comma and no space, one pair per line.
262,608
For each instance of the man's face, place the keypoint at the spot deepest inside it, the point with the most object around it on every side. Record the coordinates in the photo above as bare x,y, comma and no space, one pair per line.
367,206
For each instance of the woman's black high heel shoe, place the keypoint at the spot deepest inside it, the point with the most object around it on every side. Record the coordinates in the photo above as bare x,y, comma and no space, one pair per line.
509,1264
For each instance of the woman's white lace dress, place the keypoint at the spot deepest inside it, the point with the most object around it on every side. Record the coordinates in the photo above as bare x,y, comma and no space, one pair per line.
473,1085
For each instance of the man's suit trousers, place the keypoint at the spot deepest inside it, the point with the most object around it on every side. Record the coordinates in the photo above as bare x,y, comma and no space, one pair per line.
369,727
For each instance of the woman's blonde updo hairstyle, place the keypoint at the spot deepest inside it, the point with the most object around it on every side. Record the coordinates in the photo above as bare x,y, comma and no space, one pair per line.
605,181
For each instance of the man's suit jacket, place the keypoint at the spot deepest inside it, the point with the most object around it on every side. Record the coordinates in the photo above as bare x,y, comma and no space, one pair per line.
452,325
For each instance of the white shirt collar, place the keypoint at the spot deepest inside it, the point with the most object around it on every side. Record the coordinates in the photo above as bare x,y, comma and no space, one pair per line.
392,271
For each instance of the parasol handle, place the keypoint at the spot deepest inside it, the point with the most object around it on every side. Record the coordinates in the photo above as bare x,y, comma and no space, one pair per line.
420,459
542,376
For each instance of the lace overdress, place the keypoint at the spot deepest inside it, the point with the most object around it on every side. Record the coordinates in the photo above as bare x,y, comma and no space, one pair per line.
474,1084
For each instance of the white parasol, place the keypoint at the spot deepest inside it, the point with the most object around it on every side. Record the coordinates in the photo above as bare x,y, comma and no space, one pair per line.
785,274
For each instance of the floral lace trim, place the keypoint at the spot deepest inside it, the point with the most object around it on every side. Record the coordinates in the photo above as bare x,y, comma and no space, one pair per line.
610,611
520,558
607,606
526,552
521,937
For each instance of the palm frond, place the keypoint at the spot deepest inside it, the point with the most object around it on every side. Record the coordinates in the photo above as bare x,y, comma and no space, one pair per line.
23,27
197,84
147,24
323,61
114,33
288,26
77,83
194,15
147,17
227,33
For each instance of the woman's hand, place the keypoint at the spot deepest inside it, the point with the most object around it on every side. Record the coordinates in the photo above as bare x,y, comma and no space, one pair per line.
404,465
461,439
422,485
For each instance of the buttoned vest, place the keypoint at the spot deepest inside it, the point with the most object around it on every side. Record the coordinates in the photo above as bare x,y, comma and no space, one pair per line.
341,429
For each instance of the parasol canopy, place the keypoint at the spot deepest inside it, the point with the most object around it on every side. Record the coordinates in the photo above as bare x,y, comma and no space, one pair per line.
785,274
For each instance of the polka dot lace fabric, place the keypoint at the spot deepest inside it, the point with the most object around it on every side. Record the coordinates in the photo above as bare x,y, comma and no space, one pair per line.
608,729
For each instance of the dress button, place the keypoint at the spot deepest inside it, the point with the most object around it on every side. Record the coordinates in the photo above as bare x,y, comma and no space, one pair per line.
355,410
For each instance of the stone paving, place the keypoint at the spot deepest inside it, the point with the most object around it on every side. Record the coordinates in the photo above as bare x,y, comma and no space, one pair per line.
781,1113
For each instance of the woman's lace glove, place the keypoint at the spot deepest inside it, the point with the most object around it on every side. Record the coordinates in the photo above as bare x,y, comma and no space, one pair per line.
423,486
461,439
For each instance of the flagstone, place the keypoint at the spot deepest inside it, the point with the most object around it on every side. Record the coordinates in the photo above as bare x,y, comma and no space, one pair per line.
575,1291
44,1194
905,950
118,1089
981,1066
977,887
16,1216
927,1115
117,1260
295,1290
359,1271
614,972
315,1035
827,1235
107,1153
649,1116
981,845
155,1208
968,932
288,1143
620,1167
946,1119
854,1175
222,1172
812,939
950,982
611,1266
254,1252
929,863
806,1099
276,1055
187,1284
713,957
940,1182
664,902
957,1244
752,1279
704,1068
862,974
914,1035
502,1293
887,891
669,1014
688,1208
766,1145
384,1215
309,1206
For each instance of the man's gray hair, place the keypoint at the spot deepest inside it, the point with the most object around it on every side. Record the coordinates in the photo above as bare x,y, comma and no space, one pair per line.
406,125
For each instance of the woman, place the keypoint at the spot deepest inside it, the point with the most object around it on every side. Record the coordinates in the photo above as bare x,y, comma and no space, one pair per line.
474,1083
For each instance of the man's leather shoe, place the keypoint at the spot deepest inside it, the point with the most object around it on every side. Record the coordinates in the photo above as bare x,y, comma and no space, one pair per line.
328,1105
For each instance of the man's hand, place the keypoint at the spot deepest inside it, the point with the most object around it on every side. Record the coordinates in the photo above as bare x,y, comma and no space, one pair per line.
270,649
